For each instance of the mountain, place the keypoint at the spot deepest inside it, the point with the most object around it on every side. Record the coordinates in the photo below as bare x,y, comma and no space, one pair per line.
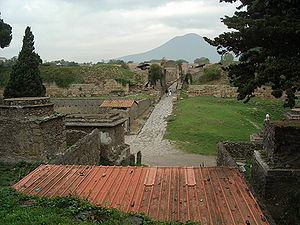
188,47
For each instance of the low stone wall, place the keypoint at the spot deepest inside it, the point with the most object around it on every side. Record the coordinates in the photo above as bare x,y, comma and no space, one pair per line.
78,105
228,151
86,151
226,91
274,183
92,106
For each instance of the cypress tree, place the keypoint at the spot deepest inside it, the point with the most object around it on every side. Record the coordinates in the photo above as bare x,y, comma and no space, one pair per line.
25,80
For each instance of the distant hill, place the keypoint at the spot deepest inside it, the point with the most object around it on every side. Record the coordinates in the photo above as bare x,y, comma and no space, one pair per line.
188,47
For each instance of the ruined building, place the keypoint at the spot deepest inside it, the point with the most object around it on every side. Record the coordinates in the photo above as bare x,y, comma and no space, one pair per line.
30,130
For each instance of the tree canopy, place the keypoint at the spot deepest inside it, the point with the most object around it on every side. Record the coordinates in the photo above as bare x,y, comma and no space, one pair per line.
201,61
155,73
226,58
266,36
5,34
25,80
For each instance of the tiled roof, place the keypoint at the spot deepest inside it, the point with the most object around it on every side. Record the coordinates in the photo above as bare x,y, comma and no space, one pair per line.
210,195
118,103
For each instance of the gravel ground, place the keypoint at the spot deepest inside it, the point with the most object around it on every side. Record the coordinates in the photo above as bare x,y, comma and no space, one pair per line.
157,151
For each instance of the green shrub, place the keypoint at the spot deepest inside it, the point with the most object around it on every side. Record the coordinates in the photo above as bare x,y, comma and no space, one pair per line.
210,74
61,75
122,81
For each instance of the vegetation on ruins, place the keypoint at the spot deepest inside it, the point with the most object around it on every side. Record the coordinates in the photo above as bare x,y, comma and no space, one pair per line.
19,209
155,74
199,123
25,80
64,76
5,34
211,73
201,61
265,35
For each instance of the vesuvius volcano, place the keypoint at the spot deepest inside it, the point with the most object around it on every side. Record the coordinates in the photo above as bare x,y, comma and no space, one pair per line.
188,47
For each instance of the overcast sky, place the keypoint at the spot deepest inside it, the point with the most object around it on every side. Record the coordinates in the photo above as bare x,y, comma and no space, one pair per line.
92,30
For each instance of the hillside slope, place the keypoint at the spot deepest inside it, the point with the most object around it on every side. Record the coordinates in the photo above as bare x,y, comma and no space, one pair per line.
188,47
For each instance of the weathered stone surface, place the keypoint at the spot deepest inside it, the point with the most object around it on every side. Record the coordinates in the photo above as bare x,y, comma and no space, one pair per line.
294,114
273,183
72,136
282,142
226,91
31,140
111,135
229,151
30,132
86,151
87,90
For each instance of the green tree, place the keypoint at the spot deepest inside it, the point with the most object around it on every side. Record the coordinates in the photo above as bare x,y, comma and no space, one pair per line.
155,74
201,61
25,80
266,36
5,34
227,58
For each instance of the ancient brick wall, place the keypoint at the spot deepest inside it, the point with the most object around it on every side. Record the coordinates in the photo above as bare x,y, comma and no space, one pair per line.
138,109
72,136
108,86
85,151
26,111
78,105
54,135
229,151
273,183
31,139
281,141
226,91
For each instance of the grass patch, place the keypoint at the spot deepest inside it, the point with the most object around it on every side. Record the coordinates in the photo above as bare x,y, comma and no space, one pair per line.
199,123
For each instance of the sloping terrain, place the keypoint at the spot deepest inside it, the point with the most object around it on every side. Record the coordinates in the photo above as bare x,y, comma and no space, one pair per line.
188,47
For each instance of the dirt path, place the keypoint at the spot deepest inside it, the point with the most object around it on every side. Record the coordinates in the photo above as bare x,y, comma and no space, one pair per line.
157,151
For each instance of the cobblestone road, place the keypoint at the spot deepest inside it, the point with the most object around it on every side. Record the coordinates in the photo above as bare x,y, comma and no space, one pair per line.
157,151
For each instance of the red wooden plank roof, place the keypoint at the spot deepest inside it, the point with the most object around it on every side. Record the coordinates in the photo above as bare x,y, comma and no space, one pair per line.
210,195
118,103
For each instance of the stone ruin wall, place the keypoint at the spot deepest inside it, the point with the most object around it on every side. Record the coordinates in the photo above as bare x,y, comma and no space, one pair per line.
86,151
273,183
92,106
281,145
31,139
282,142
113,150
108,86
138,109
226,91
228,151
35,133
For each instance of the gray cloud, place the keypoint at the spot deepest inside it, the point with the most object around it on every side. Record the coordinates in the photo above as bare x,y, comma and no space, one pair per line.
92,30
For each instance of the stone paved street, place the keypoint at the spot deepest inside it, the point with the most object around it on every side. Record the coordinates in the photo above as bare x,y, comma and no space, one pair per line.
157,151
